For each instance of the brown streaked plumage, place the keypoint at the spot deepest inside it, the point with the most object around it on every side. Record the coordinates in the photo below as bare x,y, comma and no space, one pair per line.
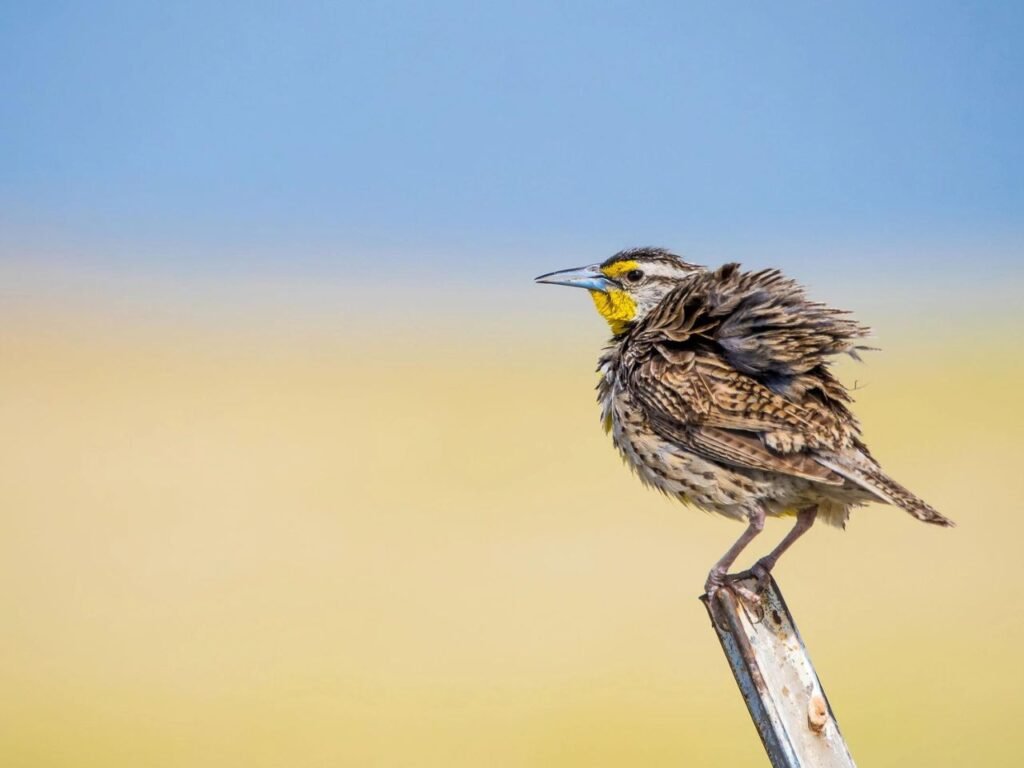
717,390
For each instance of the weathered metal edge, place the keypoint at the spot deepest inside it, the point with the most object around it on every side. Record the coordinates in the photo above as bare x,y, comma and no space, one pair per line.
748,677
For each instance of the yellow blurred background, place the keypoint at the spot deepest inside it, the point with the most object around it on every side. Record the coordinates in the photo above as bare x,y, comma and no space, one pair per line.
270,541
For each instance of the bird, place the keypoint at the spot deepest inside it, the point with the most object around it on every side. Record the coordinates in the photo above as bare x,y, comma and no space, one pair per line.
717,390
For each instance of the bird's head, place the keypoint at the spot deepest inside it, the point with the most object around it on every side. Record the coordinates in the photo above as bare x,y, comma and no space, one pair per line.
628,285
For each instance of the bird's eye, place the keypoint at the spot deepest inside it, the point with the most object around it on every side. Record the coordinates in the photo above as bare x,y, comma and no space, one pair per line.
634,275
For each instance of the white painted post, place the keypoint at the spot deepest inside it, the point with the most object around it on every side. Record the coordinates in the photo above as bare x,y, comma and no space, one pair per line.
778,681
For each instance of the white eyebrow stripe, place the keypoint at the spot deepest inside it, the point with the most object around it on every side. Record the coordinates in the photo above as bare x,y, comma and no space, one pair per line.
663,269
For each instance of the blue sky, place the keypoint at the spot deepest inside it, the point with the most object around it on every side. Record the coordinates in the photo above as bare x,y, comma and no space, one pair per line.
200,133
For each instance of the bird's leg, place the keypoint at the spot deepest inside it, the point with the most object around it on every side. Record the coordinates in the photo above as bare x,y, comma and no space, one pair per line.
718,577
763,567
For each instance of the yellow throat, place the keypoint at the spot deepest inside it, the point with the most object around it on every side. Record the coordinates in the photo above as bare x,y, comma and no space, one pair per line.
616,306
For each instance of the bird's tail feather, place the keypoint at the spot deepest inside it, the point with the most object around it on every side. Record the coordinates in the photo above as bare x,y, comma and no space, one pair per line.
871,478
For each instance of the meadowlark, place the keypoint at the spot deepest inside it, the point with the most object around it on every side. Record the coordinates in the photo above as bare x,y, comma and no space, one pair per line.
717,390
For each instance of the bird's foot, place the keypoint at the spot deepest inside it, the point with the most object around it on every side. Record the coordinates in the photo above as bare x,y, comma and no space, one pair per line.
719,580
761,571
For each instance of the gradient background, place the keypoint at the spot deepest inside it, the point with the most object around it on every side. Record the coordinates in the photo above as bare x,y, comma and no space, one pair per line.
300,468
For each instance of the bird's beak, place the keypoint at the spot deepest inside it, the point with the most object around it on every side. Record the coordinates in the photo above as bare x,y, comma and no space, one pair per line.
578,277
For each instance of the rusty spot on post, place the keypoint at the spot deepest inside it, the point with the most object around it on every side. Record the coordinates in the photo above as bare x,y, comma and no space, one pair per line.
817,713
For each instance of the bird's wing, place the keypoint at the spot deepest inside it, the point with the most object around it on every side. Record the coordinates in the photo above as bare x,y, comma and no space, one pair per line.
729,417
762,322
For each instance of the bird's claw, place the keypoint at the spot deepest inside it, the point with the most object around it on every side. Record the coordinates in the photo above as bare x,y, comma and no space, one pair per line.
761,572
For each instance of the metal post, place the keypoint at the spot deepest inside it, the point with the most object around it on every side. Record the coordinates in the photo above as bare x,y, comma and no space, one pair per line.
778,681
